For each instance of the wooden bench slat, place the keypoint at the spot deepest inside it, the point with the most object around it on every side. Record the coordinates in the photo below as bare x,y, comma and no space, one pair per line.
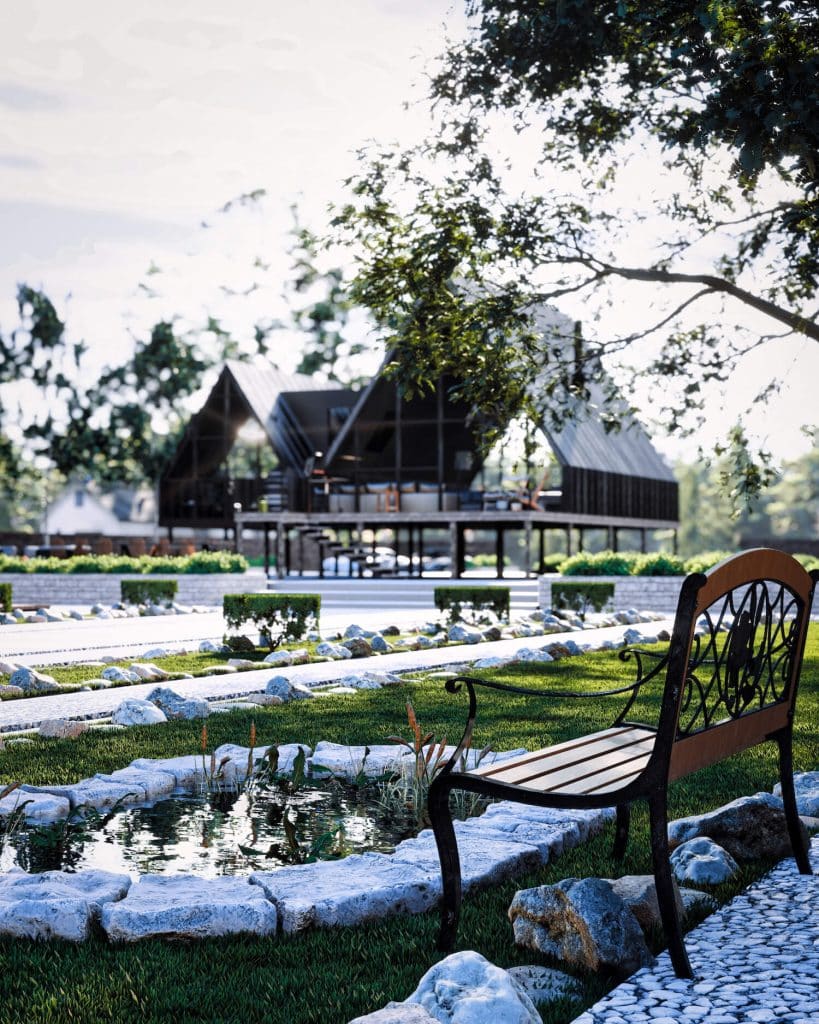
609,780
548,768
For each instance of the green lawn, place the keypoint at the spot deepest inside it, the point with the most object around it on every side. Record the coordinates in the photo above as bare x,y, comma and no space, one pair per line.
333,976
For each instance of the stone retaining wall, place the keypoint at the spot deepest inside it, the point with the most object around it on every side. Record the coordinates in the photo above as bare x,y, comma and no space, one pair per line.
657,593
89,588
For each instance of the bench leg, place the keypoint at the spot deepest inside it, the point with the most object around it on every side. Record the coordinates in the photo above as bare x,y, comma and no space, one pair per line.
797,838
621,833
664,882
441,820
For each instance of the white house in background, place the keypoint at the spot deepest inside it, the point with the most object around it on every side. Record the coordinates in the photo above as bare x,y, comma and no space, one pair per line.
82,508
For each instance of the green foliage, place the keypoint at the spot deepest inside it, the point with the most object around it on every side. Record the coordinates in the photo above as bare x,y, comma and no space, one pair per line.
579,596
202,562
552,563
659,564
454,601
275,980
600,563
713,98
145,591
706,560
278,617
5,597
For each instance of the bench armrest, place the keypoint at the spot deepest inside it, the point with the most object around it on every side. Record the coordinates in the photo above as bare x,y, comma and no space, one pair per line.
456,683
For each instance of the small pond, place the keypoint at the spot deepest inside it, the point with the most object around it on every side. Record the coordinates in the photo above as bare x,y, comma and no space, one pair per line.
212,834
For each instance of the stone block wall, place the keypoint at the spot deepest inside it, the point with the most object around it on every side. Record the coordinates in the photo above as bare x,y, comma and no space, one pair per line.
89,588
645,593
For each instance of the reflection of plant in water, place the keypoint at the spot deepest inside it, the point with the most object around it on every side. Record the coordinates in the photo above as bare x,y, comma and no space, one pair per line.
11,823
405,792
59,844
329,845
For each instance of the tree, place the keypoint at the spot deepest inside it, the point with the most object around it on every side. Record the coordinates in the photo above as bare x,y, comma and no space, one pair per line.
328,351
524,193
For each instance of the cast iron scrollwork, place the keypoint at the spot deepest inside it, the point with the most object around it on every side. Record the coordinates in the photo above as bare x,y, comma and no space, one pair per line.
741,656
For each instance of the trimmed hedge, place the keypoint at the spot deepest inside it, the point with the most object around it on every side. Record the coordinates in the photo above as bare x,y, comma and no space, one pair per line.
602,563
202,562
278,617
579,596
552,563
479,600
144,591
5,597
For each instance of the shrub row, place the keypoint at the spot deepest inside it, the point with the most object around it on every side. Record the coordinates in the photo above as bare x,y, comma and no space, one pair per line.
202,562
631,563
579,596
144,591
278,617
478,600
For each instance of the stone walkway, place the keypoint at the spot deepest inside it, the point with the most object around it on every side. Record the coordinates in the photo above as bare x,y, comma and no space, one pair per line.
756,959
28,713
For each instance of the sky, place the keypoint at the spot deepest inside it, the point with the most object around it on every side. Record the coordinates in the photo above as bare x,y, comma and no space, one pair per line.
125,130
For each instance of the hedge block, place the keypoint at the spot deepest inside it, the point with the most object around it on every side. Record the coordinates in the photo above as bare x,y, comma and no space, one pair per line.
278,617
477,600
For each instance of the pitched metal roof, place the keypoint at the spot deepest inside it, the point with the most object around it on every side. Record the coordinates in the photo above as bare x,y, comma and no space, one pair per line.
261,383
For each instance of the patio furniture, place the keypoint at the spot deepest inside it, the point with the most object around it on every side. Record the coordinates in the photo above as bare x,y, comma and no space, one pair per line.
731,677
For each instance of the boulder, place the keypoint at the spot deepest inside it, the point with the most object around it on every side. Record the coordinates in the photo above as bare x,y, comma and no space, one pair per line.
120,675
279,658
174,706
465,988
7,668
233,643
702,861
38,808
358,646
533,654
211,647
639,894
151,782
280,686
333,651
189,907
147,671
806,785
379,645
56,904
390,631
361,681
749,828
263,699
461,634
397,1013
544,984
138,712
492,633
29,680
11,691
581,922
187,770
62,729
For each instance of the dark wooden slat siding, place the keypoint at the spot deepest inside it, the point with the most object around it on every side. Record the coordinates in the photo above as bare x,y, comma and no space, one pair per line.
593,492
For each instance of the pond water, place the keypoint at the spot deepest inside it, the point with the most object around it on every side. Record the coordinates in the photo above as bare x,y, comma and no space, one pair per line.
214,834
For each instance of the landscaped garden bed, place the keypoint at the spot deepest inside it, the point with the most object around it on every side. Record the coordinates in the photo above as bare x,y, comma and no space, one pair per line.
361,968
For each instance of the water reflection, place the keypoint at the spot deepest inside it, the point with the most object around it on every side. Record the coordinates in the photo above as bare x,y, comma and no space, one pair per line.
213,833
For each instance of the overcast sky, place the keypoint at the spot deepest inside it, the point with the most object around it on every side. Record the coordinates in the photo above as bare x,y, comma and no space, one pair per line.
124,128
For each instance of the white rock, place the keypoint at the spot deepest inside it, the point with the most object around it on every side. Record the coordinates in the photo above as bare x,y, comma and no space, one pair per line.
544,984
465,988
188,770
56,904
137,712
806,785
190,907
153,783
148,671
280,686
120,675
483,860
97,793
40,808
703,861
397,1013
280,658
362,887
347,761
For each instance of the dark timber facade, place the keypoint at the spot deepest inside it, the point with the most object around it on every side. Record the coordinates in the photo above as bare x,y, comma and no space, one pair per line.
349,462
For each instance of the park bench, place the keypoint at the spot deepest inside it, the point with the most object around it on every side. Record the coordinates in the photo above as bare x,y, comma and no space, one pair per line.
731,676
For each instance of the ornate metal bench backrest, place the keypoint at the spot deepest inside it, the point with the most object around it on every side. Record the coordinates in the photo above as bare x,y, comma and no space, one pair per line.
738,638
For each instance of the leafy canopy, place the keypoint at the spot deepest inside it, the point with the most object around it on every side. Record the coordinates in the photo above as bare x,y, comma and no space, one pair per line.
581,151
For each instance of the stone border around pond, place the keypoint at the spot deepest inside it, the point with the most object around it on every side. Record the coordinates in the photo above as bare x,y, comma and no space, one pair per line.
359,888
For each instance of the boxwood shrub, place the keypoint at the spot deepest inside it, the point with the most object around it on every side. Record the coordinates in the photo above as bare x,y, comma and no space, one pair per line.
478,600
578,597
659,565
601,563
278,617
201,562
5,597
144,591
